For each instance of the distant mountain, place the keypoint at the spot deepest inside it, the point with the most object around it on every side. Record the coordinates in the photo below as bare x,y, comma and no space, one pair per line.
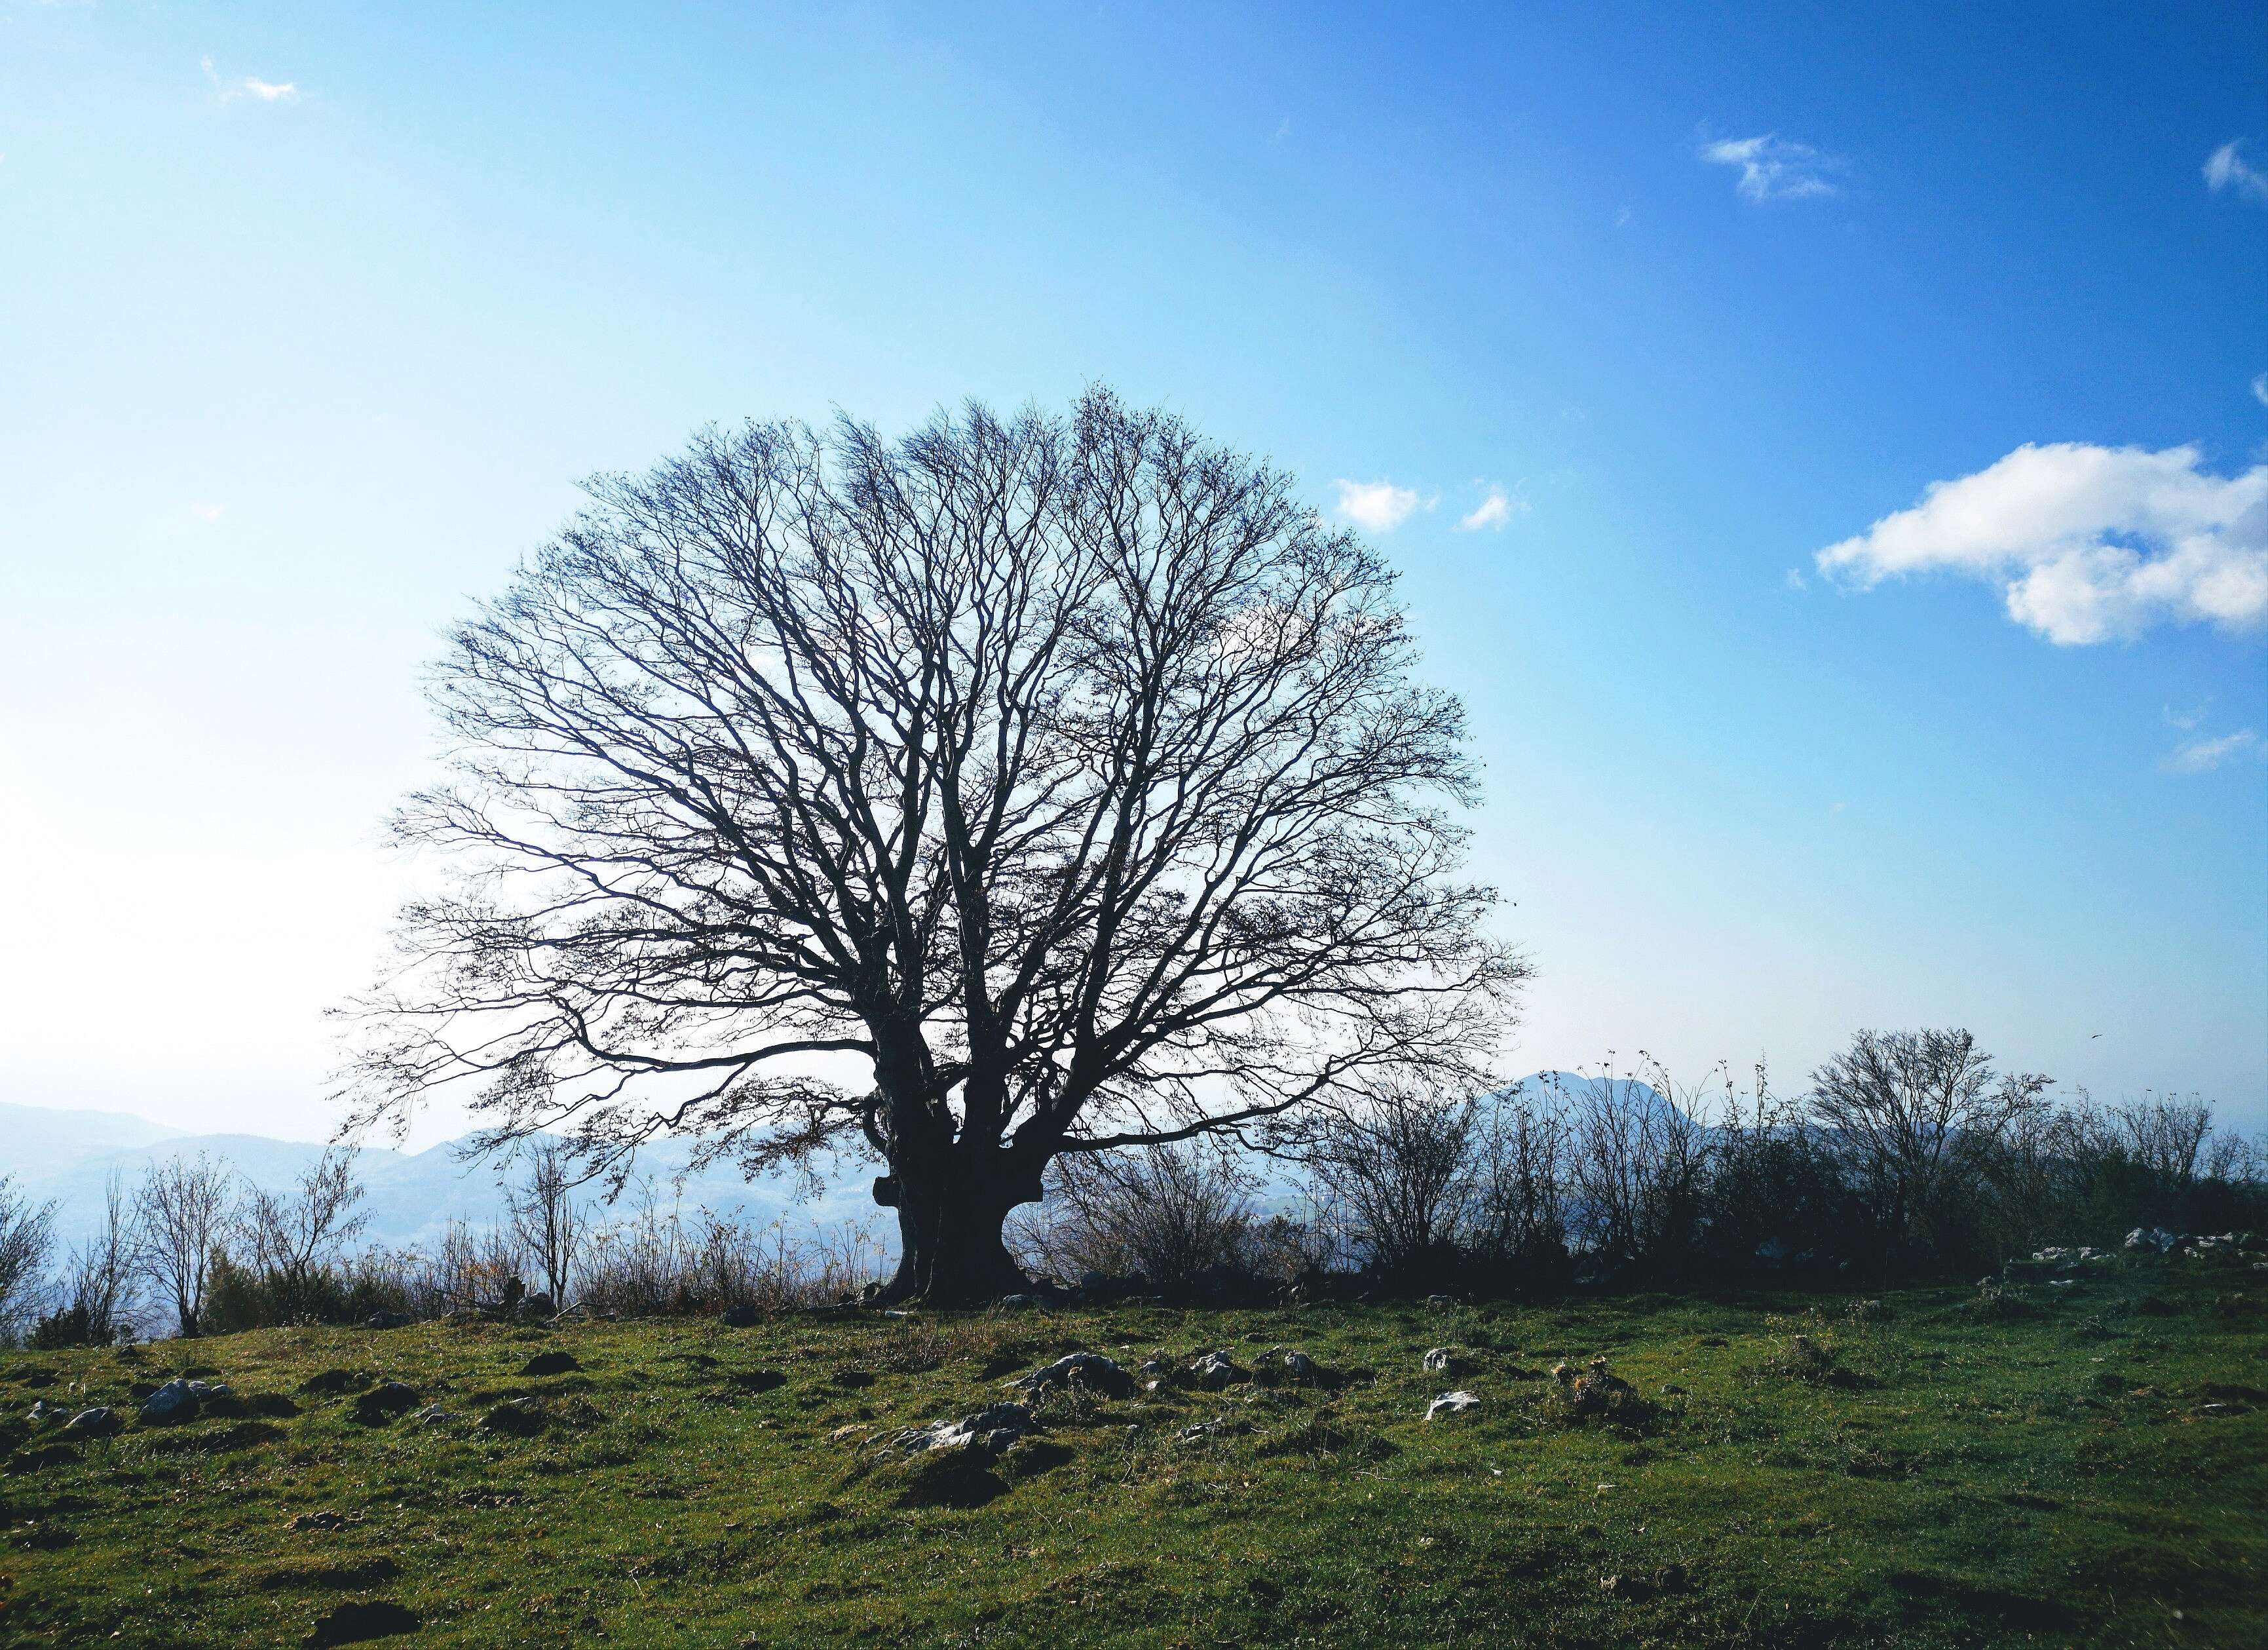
69,1157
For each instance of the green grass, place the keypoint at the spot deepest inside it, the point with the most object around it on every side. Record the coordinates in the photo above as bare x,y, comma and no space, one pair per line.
2044,1472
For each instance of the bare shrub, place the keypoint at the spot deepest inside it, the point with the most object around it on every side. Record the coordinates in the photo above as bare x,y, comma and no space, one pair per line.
1399,1167
551,1228
26,1240
1169,1215
1636,1164
98,1281
293,1236
1517,1217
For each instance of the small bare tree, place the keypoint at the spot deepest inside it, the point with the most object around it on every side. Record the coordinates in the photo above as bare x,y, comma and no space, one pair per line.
296,1235
182,1214
27,1237
1399,1167
1635,1162
1904,1105
100,1282
545,1215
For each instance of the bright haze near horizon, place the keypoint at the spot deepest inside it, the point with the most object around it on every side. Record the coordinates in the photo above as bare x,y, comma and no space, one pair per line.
1823,445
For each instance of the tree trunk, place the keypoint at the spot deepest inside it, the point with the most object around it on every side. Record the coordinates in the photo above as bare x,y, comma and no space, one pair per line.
949,1227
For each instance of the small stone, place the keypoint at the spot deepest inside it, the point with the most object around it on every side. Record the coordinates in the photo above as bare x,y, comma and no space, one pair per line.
1439,1361
1300,1366
94,1422
387,1320
1673,1390
433,1415
1452,1403
846,1434
42,1413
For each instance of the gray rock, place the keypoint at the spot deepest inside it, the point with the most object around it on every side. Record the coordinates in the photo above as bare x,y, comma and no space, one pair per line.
1091,1370
94,1422
2152,1239
1214,1428
1452,1403
177,1400
434,1414
42,1413
1302,1367
387,1320
990,1432
1439,1361
1215,1370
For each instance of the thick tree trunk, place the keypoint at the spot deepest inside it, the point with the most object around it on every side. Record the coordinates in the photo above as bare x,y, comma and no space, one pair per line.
949,1227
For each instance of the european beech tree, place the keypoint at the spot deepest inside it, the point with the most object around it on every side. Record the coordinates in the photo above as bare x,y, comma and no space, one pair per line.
1025,786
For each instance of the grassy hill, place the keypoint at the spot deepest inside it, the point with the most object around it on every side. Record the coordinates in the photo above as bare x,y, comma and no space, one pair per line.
2071,1464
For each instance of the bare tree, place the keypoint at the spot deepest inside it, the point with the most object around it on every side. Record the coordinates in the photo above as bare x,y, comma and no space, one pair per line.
183,1212
1904,1104
545,1217
1019,788
296,1235
27,1237
1400,1169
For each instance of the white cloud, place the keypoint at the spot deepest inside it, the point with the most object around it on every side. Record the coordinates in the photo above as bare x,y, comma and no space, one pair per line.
1496,511
249,86
1774,169
207,513
2260,387
2225,169
2203,755
1377,506
2087,542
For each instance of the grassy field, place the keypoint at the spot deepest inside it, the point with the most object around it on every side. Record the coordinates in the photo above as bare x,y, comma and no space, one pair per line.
2076,1464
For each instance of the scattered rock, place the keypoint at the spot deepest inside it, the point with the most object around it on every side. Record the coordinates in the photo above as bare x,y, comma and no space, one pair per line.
1439,1361
1440,1300
1153,1371
550,1363
95,1423
388,1321
852,1433
180,1400
2152,1239
1217,1427
990,1432
1452,1403
1673,1390
1091,1370
383,1403
741,1317
434,1414
359,1620
42,1413
1299,1366
1214,1370
1016,1302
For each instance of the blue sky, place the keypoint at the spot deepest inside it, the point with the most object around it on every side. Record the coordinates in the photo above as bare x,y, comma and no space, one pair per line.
311,315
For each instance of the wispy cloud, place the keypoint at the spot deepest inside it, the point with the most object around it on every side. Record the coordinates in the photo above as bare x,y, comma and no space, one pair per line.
2260,387
1377,506
2087,542
1774,169
249,86
2226,169
1495,511
207,513
2203,755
